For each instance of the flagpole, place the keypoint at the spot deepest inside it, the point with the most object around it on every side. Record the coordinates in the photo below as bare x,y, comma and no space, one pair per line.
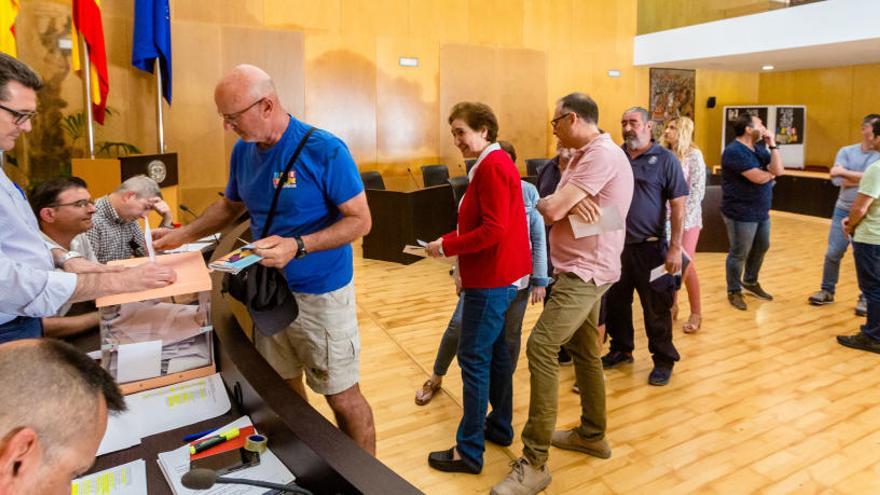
159,119
87,83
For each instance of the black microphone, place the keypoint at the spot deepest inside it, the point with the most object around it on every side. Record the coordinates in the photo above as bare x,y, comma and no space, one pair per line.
186,209
204,479
413,177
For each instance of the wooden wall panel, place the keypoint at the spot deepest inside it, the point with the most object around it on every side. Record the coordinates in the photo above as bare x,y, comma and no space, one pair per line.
511,81
280,53
729,88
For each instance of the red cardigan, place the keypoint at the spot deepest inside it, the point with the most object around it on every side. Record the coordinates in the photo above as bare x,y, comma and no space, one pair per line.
492,241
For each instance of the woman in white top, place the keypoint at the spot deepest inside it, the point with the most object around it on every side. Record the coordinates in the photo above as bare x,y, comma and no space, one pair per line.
678,137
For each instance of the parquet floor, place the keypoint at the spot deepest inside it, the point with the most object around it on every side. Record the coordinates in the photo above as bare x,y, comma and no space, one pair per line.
762,401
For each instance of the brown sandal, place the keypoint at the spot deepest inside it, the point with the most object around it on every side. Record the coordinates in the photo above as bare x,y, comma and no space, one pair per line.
426,393
693,324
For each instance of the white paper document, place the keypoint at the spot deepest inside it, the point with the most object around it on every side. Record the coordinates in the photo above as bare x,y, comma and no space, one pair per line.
127,479
163,409
661,270
175,464
415,251
139,361
193,246
148,240
609,221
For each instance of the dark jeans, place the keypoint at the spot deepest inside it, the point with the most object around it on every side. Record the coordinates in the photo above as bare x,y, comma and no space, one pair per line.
486,371
868,272
512,332
749,241
22,327
637,261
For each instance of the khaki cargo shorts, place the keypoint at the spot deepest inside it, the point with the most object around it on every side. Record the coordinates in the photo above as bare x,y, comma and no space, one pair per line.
323,342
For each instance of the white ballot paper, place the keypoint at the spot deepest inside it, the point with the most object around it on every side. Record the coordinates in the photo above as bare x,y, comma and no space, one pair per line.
175,464
609,221
162,409
415,251
139,361
148,239
661,270
127,479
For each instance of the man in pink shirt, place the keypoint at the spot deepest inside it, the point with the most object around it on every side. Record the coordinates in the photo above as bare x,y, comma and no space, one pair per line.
598,178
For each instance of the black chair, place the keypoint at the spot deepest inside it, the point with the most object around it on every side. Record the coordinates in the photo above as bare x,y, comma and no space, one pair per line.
469,164
713,237
535,164
373,180
459,186
434,175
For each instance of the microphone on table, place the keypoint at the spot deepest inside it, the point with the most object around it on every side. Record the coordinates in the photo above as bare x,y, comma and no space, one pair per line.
204,479
186,209
413,177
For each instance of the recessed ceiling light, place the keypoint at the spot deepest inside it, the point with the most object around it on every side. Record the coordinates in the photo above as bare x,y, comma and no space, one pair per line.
768,67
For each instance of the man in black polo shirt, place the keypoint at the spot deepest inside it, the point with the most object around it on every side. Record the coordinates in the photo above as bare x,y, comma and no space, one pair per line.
748,171
658,179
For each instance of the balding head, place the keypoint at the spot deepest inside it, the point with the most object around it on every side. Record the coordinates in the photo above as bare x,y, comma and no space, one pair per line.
248,102
55,403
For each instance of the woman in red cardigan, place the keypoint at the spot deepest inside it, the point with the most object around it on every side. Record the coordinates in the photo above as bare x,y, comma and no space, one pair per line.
494,259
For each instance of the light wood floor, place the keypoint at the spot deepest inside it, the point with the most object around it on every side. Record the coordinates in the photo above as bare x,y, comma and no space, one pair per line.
762,401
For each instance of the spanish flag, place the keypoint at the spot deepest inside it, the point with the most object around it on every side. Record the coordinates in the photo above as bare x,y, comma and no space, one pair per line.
87,23
8,13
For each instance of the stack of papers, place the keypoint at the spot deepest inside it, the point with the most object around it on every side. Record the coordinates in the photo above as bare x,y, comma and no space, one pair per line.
162,409
127,479
236,261
175,464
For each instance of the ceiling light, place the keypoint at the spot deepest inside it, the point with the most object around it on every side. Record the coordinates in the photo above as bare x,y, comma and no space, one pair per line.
768,67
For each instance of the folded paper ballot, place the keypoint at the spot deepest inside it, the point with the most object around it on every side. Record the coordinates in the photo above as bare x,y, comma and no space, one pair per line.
236,261
609,221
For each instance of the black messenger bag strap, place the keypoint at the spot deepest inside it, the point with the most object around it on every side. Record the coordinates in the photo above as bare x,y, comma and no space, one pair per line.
282,181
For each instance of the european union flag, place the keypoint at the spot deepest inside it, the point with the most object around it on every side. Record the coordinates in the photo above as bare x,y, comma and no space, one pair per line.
152,39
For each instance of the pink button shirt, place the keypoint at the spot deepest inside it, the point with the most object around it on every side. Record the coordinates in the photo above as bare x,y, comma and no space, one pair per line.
602,170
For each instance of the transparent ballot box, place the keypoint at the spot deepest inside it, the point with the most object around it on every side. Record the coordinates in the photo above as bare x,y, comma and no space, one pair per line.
161,336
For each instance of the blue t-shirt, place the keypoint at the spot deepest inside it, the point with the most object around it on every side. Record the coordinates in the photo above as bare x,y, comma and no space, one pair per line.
323,177
743,200
658,178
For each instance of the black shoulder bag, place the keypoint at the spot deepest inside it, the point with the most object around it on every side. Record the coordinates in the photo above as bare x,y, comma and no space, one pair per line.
263,290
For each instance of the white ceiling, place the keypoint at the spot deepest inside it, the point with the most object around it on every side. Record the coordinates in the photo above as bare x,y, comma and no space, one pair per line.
823,34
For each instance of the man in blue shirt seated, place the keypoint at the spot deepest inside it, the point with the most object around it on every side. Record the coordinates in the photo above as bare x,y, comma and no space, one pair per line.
55,405
748,171
849,166
32,287
659,180
321,209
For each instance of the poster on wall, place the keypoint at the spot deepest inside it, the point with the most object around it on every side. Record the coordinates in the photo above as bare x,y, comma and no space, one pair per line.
673,93
732,113
789,125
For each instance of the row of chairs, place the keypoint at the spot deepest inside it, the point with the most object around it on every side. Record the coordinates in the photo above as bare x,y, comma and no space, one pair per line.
435,175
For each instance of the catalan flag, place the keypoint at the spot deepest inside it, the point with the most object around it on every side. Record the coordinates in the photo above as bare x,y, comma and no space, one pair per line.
8,13
152,40
88,25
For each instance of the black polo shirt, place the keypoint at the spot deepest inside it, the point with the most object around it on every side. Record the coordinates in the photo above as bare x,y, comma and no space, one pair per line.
658,178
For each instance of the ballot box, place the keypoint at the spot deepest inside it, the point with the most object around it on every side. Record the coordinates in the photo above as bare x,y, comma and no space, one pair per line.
158,337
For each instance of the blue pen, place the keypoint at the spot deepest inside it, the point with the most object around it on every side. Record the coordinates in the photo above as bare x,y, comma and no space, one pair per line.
196,436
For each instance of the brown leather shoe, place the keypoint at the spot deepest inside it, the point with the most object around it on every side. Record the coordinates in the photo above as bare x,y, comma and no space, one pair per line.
572,440
426,393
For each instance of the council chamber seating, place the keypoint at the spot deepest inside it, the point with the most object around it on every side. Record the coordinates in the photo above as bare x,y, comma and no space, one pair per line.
434,175
459,186
373,180
535,164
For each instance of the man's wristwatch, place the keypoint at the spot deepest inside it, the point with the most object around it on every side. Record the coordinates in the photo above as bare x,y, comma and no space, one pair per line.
772,147
300,247
67,257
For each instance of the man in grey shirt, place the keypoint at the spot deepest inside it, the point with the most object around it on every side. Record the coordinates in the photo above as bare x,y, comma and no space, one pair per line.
849,166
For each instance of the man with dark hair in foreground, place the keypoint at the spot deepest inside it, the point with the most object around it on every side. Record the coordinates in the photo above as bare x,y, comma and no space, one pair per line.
54,413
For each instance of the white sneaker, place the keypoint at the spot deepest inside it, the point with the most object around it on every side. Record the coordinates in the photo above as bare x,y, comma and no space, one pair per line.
523,479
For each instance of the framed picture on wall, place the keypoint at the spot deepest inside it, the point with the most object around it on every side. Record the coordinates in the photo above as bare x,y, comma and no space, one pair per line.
673,93
732,112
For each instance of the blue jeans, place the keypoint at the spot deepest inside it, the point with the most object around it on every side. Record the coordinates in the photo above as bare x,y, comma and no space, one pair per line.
22,327
868,271
486,370
512,332
749,241
837,244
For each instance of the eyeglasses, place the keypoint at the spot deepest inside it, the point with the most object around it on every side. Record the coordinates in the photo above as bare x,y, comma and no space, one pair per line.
82,203
555,121
232,117
19,118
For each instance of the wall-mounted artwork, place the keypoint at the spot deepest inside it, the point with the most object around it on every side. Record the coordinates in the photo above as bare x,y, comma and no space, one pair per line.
672,95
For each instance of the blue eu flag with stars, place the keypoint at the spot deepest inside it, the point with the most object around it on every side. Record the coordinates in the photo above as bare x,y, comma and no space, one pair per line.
152,40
